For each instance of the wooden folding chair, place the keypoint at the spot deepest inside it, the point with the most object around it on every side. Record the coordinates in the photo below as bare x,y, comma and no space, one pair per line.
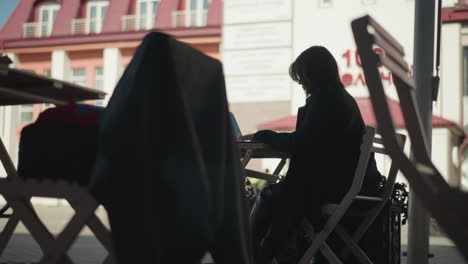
449,206
334,213
18,193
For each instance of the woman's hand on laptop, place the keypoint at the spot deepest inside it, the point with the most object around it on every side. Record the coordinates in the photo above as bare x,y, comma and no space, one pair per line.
247,137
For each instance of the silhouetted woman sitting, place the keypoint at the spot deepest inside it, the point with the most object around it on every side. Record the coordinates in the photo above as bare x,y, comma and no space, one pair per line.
325,149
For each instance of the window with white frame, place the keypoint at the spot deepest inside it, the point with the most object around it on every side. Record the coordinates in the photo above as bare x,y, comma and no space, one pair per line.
465,88
95,13
99,82
197,11
78,76
368,2
47,14
48,74
325,3
26,113
464,169
146,11
465,71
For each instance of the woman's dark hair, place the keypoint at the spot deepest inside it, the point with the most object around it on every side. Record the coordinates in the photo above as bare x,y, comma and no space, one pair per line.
315,68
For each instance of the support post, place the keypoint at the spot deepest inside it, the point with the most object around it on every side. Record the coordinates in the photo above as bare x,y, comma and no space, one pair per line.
424,32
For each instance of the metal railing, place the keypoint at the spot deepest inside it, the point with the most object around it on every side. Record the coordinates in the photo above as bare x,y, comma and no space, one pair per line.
184,18
86,26
36,30
137,22
129,23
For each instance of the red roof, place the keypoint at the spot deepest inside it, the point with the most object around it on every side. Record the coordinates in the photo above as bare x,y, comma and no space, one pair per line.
11,32
288,123
455,14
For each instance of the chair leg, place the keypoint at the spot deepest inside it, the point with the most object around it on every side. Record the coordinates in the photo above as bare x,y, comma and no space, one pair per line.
66,238
329,254
101,232
7,232
308,229
324,248
38,230
3,210
352,245
110,259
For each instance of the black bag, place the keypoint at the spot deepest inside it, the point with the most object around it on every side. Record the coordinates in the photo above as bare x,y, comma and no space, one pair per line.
59,148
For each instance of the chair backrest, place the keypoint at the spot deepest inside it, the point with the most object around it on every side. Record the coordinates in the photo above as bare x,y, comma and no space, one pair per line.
372,143
446,204
392,173
359,174
368,34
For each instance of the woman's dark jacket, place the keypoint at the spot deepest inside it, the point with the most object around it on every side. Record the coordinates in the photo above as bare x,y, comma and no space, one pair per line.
325,149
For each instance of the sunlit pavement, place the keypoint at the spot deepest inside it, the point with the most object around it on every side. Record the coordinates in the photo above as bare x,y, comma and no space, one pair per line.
441,250
23,249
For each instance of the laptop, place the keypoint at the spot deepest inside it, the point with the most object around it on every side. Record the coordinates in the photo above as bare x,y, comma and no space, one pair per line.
235,126
237,131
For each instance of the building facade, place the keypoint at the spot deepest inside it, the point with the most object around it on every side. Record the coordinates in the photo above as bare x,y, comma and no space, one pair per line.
90,42
262,38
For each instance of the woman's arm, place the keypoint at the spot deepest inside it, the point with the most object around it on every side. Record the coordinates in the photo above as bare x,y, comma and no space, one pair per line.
313,132
278,141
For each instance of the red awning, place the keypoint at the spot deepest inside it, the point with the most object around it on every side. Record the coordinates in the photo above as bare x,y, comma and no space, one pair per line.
288,123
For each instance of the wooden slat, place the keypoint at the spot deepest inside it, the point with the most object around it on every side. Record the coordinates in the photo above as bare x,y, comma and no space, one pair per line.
20,87
390,51
378,140
28,97
7,162
20,188
69,234
400,138
351,244
7,232
383,33
378,150
279,167
397,70
260,175
369,198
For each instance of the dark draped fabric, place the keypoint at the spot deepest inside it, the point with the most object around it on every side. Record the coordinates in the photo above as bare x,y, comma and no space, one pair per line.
167,168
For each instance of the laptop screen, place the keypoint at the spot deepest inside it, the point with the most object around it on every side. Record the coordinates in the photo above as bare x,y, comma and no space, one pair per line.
235,126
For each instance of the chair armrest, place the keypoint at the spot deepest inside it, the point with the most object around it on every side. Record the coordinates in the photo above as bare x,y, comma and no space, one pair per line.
369,198
260,175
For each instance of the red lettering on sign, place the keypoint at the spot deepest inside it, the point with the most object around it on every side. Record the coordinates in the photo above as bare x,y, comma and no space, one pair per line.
387,78
347,56
360,78
347,79
357,58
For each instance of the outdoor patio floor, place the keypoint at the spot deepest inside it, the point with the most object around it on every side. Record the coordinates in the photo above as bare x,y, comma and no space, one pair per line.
23,249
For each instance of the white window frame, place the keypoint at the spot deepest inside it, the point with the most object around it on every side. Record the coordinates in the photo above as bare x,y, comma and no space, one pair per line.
79,80
50,8
146,20
368,2
26,110
196,16
325,3
99,81
99,78
99,19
